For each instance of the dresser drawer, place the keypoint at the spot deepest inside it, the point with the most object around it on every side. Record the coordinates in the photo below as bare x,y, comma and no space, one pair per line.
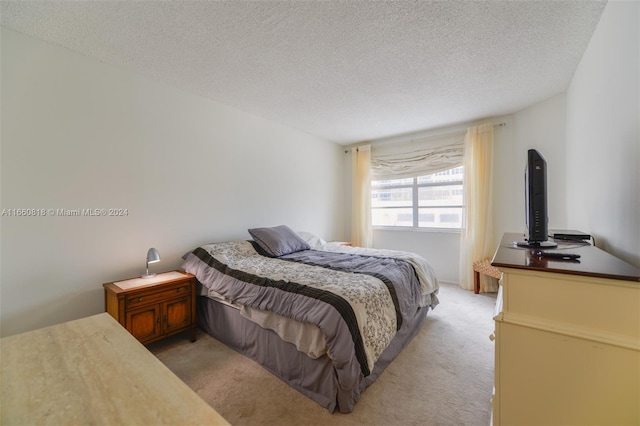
141,299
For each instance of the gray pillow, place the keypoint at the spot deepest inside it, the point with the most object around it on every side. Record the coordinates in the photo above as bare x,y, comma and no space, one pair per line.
279,240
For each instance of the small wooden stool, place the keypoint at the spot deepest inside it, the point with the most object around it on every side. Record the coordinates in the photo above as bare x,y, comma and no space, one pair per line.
483,267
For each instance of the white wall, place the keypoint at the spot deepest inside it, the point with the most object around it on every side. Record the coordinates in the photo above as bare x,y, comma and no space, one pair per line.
541,127
603,134
440,249
77,134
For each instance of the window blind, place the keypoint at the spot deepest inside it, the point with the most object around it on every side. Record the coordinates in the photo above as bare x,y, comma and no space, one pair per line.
418,157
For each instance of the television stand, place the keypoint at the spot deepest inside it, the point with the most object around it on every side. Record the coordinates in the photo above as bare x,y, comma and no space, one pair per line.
536,244
567,338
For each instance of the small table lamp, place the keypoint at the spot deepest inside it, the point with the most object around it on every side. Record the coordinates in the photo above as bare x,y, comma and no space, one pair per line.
152,257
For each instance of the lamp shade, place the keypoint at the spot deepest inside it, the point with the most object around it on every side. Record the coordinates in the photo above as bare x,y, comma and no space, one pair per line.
152,257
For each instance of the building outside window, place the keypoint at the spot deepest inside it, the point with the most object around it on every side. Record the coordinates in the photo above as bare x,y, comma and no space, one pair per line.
432,201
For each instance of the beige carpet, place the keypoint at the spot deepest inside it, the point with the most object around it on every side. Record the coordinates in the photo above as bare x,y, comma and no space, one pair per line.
443,377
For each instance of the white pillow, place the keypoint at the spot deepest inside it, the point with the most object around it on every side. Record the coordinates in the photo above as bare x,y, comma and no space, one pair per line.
313,240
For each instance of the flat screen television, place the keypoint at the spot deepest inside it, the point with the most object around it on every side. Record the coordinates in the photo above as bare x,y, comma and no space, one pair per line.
535,193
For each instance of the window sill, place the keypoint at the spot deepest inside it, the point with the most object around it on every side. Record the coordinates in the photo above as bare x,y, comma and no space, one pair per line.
411,229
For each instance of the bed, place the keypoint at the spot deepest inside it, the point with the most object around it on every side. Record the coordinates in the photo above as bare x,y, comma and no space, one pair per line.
324,317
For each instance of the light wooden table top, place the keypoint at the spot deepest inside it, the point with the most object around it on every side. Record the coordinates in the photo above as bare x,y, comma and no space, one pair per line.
92,371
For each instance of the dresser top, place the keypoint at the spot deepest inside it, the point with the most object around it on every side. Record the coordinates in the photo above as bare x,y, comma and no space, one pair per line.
92,371
593,262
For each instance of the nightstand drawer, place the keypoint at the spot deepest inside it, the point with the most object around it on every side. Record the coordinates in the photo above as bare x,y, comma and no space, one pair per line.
141,299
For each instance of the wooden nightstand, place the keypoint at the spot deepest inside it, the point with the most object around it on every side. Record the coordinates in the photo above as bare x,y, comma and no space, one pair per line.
154,308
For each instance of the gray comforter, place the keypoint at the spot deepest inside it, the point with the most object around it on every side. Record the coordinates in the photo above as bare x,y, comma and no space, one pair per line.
358,301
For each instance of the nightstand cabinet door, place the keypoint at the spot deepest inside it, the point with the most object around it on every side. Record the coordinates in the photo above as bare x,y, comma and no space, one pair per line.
144,323
176,314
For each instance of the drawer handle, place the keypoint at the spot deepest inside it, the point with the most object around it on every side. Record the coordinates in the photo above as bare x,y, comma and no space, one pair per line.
139,299
492,337
178,290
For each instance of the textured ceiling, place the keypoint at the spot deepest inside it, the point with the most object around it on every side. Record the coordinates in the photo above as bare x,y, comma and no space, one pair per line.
345,71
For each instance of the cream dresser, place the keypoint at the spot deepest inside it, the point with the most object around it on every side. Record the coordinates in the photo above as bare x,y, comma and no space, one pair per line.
92,371
567,338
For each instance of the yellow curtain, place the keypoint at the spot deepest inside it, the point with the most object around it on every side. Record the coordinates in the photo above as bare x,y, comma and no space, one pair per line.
361,235
476,238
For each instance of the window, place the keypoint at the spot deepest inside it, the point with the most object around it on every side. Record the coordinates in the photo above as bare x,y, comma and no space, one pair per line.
432,201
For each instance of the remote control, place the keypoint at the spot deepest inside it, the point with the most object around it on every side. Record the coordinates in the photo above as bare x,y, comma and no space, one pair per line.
557,255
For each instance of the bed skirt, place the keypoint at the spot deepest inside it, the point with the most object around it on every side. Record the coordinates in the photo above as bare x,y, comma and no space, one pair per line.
315,378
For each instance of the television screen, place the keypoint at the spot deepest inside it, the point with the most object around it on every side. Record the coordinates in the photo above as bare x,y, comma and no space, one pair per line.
535,192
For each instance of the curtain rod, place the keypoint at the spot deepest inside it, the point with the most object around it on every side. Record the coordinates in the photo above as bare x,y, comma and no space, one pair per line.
501,124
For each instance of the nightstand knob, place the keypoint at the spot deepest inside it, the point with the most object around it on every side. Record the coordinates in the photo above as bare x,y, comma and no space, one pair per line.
139,299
